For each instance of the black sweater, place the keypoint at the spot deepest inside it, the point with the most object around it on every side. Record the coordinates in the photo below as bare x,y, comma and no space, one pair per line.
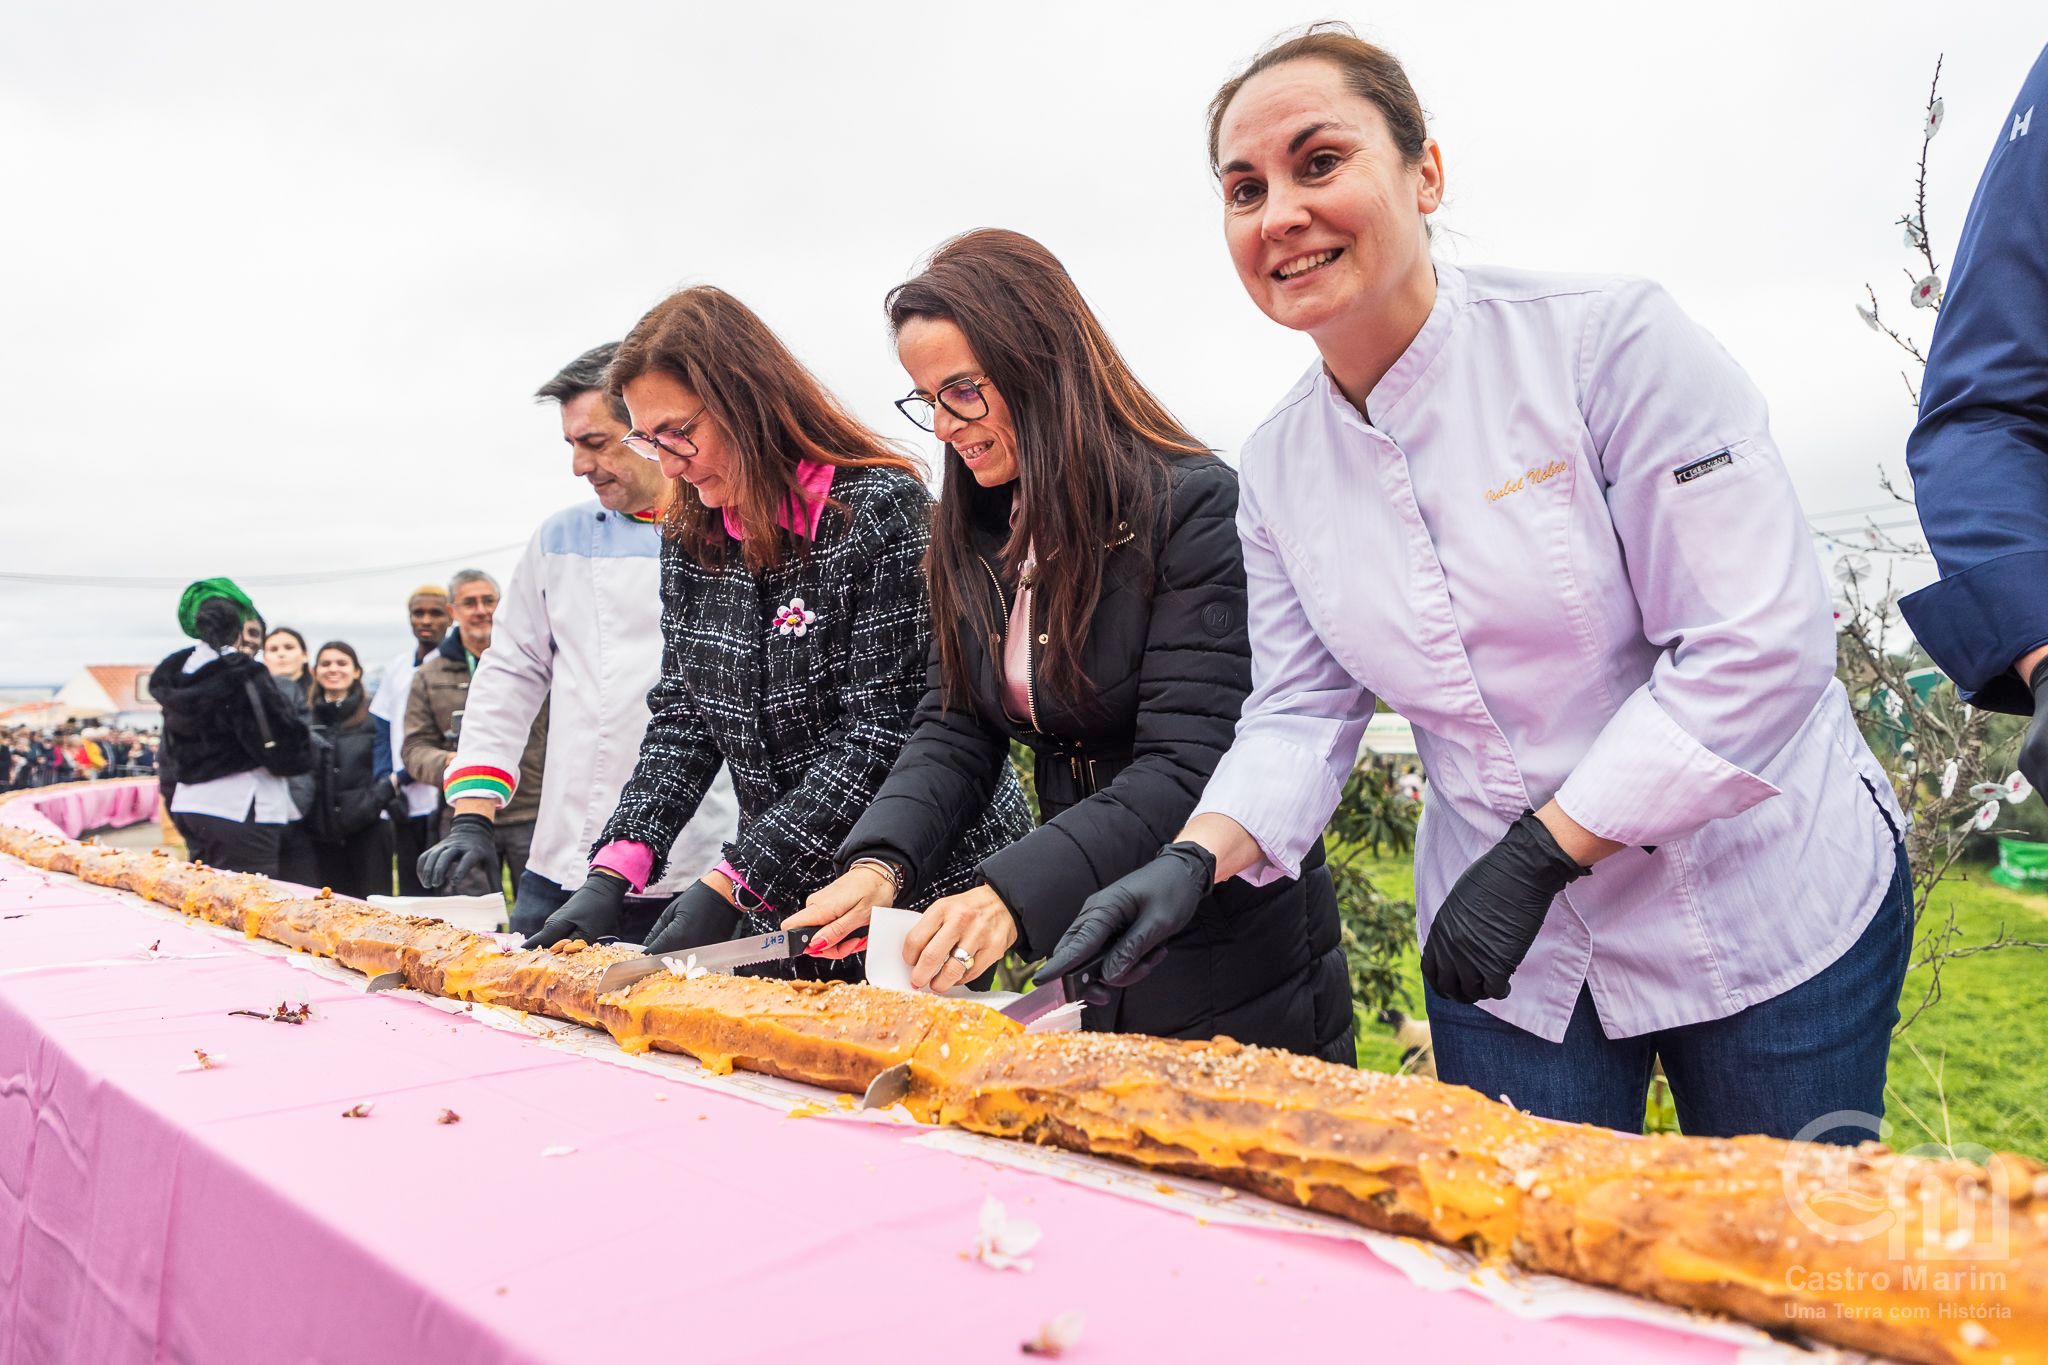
1170,663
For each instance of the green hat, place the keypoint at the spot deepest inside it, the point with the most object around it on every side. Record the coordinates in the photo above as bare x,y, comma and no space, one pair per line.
205,588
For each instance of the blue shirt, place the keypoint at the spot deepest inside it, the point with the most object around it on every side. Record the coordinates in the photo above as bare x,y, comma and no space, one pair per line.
1979,455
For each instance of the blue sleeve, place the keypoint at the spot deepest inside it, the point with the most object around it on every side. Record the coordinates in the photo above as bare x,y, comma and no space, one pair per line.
1979,455
380,762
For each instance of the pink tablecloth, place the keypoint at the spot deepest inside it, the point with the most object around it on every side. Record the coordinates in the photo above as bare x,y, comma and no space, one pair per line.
75,807
152,1212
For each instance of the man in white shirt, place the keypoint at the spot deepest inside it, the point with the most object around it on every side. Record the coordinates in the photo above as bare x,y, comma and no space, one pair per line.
581,622
427,613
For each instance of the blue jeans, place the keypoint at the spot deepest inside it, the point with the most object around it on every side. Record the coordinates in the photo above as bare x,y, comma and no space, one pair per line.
537,898
1816,1050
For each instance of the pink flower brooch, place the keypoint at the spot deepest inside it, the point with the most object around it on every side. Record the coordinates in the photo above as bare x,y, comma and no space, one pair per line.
793,619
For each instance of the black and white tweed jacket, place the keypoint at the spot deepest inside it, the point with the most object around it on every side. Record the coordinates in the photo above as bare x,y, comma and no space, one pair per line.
807,722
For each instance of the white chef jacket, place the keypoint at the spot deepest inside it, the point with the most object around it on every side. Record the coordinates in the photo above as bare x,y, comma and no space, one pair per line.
582,616
393,691
235,796
1566,550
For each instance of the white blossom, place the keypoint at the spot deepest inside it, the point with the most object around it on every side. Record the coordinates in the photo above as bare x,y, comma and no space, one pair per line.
1916,233
1934,114
1948,779
1869,318
1057,1337
1927,293
1004,1240
2017,788
1987,816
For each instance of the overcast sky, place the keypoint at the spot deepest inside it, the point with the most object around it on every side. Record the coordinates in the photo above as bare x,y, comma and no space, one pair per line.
276,282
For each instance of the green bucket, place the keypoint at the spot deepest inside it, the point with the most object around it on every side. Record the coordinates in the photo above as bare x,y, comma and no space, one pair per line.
2022,864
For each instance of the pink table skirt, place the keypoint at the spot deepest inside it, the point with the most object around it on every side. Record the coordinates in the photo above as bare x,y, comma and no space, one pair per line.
151,1211
75,807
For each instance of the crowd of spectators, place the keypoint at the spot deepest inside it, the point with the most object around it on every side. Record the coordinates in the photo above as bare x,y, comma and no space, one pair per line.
39,756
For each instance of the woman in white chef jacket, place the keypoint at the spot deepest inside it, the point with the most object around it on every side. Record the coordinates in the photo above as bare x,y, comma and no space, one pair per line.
1543,517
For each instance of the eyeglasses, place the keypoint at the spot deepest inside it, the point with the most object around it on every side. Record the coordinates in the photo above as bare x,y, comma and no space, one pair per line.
672,440
963,398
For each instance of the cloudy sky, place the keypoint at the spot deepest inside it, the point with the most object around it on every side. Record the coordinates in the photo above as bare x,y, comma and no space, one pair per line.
275,289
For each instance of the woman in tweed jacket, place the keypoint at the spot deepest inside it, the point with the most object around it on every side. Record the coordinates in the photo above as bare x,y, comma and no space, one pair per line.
794,625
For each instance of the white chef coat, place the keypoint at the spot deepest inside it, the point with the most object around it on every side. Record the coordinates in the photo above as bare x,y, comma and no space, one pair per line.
393,690
234,796
580,628
1566,550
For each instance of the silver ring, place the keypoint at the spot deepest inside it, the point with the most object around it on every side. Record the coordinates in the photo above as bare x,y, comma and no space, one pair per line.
963,957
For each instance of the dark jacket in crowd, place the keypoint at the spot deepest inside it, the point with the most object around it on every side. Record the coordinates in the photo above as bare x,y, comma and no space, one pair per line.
347,795
1118,775
808,725
210,720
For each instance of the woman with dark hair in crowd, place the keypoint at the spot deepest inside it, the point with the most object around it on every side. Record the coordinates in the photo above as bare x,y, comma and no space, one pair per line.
794,628
351,842
1089,599
237,733
284,654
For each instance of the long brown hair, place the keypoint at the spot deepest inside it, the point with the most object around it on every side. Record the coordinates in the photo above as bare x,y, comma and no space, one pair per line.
1090,442
774,413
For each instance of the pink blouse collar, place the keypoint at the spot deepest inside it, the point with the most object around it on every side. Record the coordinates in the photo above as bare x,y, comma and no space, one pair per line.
815,478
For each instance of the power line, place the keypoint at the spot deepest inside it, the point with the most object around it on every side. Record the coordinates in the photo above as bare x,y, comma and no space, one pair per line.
274,580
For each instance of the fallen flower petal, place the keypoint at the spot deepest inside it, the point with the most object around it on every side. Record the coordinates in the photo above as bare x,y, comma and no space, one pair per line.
1004,1240
1055,1337
556,1151
448,1116
204,1062
356,1111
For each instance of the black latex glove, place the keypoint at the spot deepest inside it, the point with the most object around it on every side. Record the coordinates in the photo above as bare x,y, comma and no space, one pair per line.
1127,923
471,846
697,917
1492,915
2034,748
592,913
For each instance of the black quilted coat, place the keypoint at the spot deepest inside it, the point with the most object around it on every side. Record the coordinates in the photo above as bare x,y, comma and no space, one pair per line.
1170,665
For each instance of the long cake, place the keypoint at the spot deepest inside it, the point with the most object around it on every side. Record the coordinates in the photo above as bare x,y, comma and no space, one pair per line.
1938,1261
1944,1262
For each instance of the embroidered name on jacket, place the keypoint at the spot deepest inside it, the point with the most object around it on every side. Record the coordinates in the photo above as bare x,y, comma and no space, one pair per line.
1700,468
1524,479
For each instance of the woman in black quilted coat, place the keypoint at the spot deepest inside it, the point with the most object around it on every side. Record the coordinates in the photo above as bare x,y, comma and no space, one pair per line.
794,631
344,820
1089,597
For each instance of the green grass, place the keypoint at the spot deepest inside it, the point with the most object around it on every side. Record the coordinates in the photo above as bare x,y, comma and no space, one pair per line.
1987,1037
